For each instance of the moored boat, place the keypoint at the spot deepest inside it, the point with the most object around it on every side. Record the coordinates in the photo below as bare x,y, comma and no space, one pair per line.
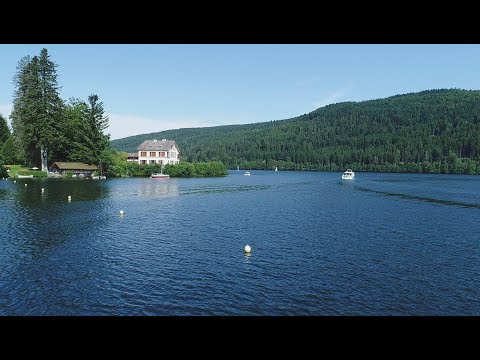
159,176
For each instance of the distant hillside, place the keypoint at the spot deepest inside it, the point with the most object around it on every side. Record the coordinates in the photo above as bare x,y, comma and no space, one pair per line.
428,131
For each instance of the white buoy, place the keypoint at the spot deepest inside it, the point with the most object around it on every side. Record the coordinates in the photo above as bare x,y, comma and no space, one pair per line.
25,184
248,249
14,181
69,198
121,212
43,189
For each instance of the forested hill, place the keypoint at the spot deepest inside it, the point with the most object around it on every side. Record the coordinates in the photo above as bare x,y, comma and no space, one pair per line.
428,131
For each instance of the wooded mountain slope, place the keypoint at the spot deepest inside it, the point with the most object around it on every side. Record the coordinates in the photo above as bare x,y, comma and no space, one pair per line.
428,131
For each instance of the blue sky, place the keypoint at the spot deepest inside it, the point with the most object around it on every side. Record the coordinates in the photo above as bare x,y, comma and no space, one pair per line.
153,87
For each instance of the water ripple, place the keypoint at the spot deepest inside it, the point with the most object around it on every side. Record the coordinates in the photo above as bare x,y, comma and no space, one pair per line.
421,198
319,246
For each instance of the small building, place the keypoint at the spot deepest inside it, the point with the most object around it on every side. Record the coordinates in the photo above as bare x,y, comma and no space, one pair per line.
77,168
132,157
158,152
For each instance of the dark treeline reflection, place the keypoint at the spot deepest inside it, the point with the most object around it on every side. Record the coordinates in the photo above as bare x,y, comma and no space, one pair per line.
58,190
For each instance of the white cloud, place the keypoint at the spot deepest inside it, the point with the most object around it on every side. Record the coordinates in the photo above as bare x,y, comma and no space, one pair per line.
121,126
333,97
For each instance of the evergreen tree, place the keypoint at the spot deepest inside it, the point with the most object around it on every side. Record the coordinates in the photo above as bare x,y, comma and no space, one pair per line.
97,122
78,133
52,124
26,110
37,109
86,123
9,152
4,130
3,171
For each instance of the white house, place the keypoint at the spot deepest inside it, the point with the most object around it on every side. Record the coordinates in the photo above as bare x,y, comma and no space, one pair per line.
158,152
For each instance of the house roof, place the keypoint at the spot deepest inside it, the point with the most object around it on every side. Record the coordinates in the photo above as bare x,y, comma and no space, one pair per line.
155,145
132,155
74,166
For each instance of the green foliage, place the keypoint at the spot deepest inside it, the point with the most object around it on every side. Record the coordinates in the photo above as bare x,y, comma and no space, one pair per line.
79,143
41,121
37,118
116,165
15,169
403,133
68,174
184,169
34,173
86,123
3,170
9,152
4,130
52,129
121,167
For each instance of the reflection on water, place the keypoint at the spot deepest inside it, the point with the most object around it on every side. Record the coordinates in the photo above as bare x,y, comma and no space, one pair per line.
223,189
56,191
158,187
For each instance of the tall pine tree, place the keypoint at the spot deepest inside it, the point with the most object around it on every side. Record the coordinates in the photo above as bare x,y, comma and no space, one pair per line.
52,130
26,111
37,116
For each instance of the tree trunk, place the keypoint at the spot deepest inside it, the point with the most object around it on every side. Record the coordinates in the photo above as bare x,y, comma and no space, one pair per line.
44,157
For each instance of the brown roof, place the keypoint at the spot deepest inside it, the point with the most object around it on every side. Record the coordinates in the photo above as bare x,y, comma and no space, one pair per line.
156,145
74,166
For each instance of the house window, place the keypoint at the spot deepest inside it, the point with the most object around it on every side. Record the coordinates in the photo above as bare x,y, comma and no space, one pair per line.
162,153
178,156
143,153
143,162
152,161
153,153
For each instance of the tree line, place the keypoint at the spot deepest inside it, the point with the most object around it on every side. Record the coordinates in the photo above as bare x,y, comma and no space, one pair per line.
120,167
436,131
46,128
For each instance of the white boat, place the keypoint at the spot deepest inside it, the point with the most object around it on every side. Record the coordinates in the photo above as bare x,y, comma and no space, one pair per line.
25,176
246,173
348,175
276,168
159,176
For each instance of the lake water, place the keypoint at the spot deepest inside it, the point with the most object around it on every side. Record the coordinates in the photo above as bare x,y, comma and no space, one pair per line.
382,244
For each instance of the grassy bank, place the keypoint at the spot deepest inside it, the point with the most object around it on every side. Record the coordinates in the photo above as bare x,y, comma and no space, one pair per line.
16,170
